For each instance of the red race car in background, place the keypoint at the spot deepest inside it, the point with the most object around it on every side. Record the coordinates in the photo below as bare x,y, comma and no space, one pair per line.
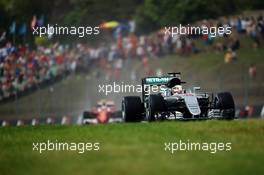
103,112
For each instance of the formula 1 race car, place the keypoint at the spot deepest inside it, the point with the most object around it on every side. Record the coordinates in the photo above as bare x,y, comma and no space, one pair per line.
103,112
171,101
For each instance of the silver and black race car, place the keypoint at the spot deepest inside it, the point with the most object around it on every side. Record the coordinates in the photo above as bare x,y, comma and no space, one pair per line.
171,101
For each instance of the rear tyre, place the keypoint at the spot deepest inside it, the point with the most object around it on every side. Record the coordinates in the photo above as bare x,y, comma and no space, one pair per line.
132,109
225,102
156,104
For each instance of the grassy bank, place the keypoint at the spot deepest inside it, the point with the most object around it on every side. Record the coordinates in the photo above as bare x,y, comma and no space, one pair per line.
136,149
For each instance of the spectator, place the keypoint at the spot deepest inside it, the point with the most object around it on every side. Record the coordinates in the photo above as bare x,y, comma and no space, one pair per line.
145,61
235,43
252,71
230,56
118,67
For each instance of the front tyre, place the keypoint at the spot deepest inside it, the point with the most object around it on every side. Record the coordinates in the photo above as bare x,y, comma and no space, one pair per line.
155,104
225,102
87,115
132,109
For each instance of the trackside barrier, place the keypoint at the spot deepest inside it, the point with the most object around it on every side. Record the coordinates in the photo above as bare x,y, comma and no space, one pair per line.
241,112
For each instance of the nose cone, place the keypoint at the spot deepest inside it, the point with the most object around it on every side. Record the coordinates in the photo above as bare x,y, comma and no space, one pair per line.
192,104
102,116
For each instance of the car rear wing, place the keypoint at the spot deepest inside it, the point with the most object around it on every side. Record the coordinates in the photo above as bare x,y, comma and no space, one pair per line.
157,81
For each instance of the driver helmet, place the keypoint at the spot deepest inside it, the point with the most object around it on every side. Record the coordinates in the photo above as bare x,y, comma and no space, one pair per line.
177,89
101,103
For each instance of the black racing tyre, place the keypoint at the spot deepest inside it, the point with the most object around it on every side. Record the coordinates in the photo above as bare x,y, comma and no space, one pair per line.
187,114
225,102
117,114
156,103
132,109
87,114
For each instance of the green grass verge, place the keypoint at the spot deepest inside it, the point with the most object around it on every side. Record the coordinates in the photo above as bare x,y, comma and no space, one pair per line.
135,149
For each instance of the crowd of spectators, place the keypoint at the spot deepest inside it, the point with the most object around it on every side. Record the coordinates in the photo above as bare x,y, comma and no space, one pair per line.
22,69
119,54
